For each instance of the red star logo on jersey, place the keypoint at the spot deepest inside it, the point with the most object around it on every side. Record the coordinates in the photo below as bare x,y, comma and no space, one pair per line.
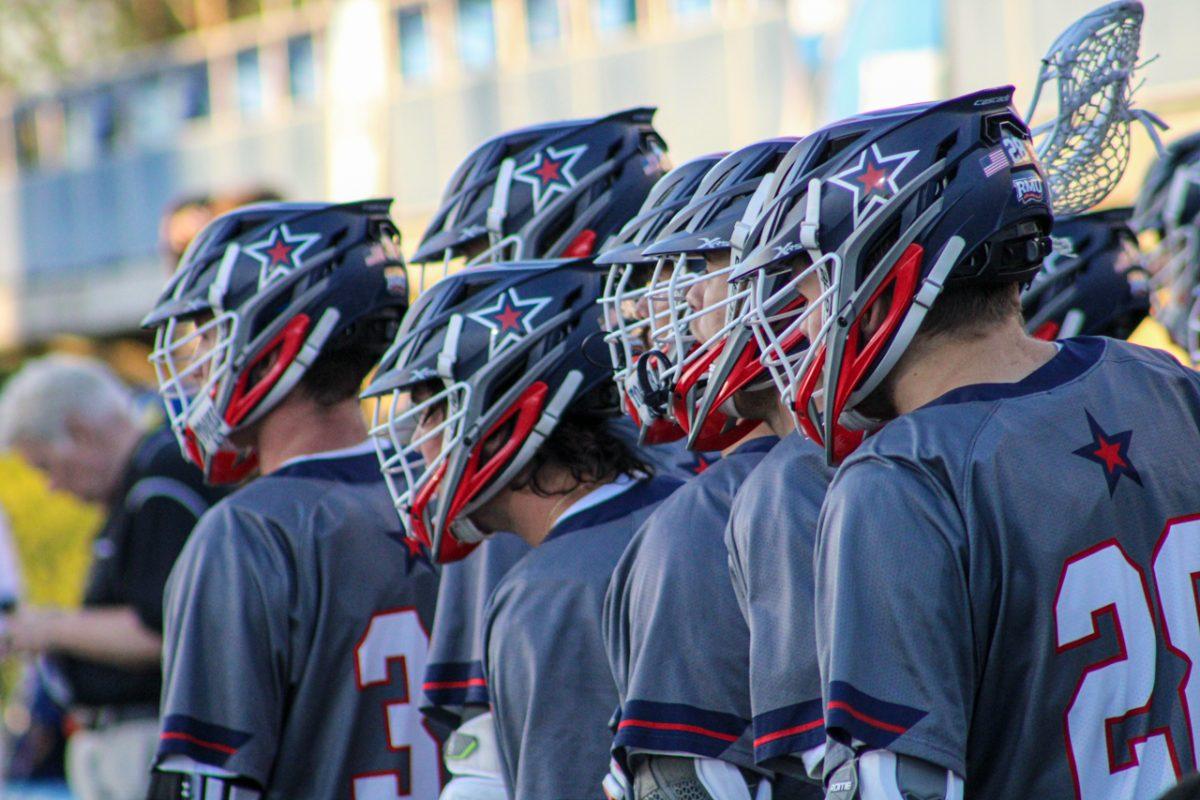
279,254
549,173
510,319
414,551
700,462
1110,451
872,180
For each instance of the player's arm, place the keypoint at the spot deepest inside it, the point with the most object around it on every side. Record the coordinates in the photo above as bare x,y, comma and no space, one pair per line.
226,654
111,634
891,588
884,775
163,510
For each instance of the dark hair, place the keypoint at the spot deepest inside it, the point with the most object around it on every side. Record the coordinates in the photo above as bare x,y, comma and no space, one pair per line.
965,309
957,311
338,372
585,444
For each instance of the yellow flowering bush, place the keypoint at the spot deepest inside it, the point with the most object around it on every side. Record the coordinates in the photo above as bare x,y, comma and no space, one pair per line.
52,533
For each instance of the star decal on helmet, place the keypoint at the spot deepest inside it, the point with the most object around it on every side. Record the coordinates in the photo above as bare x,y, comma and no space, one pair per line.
872,180
549,173
279,253
510,319
1110,451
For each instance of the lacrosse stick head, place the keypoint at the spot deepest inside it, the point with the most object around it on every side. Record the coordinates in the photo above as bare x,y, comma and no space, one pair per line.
1084,147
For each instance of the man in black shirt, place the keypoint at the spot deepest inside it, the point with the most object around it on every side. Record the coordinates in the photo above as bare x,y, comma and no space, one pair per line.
73,420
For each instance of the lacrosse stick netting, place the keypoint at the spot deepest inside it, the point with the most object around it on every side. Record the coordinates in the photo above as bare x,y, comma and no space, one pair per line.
1085,147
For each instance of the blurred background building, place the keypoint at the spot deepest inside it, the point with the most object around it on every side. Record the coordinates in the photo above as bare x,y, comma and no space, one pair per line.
110,110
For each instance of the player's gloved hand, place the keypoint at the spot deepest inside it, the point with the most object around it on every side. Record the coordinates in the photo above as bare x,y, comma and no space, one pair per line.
616,782
678,778
473,761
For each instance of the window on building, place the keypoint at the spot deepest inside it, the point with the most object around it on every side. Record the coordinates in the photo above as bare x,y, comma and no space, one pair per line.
249,83
106,120
81,143
302,70
154,112
25,129
614,15
416,53
193,80
542,22
476,34
691,8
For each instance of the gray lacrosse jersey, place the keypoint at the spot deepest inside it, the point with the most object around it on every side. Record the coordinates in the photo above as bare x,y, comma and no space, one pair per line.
1006,580
551,689
454,679
770,537
677,644
295,638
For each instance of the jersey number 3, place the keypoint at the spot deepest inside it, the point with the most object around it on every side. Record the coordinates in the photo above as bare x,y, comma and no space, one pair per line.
394,648
1104,580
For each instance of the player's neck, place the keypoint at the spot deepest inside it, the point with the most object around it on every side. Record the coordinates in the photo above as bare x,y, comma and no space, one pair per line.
300,427
531,515
763,429
1003,354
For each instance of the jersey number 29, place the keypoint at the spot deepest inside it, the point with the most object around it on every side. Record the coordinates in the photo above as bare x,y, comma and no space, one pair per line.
1104,580
395,648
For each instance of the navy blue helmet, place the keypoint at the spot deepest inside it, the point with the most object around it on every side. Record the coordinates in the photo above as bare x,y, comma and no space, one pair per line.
887,208
258,296
547,191
1092,284
628,320
1165,199
498,353
704,375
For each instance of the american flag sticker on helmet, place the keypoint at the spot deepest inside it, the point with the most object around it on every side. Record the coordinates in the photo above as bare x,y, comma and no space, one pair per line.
993,162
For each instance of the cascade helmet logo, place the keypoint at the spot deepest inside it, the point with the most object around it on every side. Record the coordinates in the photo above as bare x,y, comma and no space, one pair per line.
510,319
549,172
872,181
279,254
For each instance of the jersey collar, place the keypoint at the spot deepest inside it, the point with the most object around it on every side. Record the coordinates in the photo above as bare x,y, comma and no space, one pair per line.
1074,357
612,501
760,444
355,464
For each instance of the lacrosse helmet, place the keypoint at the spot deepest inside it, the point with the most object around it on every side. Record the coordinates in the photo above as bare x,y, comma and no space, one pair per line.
706,371
483,367
555,190
627,317
259,295
1092,284
886,208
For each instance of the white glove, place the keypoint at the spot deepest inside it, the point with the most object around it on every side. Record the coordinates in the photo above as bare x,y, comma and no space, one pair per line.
725,781
616,782
473,761
470,787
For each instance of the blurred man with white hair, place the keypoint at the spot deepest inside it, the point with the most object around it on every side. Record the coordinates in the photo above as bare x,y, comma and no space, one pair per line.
73,420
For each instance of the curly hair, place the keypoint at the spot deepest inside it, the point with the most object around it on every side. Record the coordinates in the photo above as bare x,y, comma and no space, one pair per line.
585,445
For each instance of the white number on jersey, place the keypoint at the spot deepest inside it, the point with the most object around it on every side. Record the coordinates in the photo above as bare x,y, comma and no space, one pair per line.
396,646
1104,580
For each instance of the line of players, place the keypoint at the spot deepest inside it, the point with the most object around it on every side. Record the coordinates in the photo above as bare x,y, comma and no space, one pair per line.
991,595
